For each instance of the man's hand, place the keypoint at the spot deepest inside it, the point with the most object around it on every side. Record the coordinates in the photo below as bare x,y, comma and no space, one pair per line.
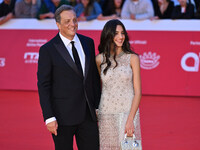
52,127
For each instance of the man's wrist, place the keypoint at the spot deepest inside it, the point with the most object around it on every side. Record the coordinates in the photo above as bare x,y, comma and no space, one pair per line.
50,120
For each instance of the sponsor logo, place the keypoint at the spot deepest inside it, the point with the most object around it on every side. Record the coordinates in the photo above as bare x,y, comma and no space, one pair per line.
149,60
195,66
31,57
139,42
2,62
36,42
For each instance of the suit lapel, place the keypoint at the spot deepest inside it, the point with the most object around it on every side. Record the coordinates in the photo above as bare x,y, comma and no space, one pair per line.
85,46
65,54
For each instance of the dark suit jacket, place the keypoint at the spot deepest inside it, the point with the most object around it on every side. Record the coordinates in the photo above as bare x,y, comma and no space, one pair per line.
189,14
63,92
167,13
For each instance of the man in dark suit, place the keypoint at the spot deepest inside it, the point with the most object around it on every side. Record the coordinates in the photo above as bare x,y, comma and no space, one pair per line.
69,85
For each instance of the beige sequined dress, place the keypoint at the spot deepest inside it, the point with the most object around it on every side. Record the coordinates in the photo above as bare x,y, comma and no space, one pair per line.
115,104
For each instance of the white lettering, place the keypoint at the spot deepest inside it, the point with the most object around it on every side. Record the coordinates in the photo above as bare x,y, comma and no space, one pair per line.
2,62
36,42
138,42
31,57
195,43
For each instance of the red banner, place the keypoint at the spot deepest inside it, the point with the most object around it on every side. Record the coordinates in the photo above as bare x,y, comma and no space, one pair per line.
169,59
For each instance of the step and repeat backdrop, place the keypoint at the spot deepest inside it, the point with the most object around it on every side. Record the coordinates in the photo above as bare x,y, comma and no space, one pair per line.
169,53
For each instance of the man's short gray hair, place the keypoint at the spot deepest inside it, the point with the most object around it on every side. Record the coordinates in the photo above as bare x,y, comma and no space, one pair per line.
61,9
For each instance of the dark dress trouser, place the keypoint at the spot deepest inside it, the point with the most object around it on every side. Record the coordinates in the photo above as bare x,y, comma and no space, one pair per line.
86,133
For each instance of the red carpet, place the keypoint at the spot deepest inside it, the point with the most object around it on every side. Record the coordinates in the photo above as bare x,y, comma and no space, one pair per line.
167,123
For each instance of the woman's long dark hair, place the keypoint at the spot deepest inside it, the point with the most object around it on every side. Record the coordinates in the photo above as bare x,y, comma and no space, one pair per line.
106,42
109,7
89,8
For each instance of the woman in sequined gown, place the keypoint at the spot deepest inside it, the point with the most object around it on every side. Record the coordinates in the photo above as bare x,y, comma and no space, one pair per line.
119,68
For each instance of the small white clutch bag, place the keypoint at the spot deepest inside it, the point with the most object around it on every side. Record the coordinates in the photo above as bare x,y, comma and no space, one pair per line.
129,143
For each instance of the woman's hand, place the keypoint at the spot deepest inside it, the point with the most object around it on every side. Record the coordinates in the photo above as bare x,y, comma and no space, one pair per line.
81,18
129,128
